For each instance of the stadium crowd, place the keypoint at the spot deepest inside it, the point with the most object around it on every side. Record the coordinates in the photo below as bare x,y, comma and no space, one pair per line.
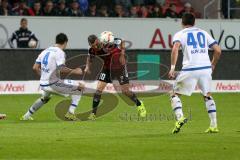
97,8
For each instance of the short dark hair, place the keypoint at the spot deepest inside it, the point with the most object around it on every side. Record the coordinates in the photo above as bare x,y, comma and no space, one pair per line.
23,19
188,19
92,38
61,38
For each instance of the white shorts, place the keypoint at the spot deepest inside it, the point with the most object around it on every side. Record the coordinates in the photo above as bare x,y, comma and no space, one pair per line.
63,87
187,81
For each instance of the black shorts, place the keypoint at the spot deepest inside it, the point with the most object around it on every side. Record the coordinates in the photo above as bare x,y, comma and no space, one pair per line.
119,74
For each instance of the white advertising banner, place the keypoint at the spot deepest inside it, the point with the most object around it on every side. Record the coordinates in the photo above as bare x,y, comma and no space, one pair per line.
139,33
32,87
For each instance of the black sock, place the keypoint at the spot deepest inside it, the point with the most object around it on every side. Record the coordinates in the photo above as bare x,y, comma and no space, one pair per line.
95,106
138,103
134,98
96,101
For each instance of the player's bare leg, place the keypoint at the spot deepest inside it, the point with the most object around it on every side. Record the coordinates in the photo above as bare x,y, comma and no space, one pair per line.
96,99
2,116
177,109
211,109
140,106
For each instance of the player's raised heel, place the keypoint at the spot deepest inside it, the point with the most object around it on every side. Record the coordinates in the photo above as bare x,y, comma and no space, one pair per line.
142,110
92,117
71,117
24,118
212,130
179,124
3,116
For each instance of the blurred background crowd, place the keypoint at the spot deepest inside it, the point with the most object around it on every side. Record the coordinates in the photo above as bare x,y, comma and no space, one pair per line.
97,8
118,8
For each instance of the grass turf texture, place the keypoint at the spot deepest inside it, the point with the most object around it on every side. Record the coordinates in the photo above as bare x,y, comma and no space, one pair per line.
113,137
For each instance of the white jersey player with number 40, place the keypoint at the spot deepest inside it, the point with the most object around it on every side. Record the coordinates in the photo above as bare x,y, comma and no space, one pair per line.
196,69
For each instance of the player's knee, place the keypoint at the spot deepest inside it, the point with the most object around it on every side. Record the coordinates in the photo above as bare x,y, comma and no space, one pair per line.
45,99
207,98
127,93
174,95
97,96
174,98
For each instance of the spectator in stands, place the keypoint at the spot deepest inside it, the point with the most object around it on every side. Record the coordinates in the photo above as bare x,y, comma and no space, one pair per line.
133,12
5,9
126,4
14,3
143,12
36,10
157,11
187,9
103,11
30,3
171,11
138,2
48,9
83,6
22,9
118,11
149,2
22,36
108,3
161,2
61,9
74,9
92,10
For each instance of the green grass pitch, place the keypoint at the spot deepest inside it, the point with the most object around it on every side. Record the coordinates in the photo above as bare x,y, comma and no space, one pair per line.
114,136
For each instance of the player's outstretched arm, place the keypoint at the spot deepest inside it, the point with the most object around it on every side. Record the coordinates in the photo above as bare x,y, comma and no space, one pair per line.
216,55
88,65
37,68
122,58
174,57
66,71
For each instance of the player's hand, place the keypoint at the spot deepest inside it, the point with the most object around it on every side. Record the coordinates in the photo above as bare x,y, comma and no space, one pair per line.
81,86
87,70
77,71
171,74
213,67
122,59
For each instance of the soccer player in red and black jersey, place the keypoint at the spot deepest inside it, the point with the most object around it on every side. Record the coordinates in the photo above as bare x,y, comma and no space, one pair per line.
113,55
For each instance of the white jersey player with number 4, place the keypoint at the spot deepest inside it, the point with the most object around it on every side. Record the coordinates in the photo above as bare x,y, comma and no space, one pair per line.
49,64
196,69
50,59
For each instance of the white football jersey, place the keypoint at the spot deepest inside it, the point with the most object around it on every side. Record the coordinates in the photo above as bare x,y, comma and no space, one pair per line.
50,59
195,43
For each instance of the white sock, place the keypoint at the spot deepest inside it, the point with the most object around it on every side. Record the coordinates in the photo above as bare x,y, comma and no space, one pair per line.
211,108
36,105
177,106
74,104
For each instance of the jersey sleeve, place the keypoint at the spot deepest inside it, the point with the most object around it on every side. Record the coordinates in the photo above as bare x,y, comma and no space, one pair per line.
176,38
60,58
39,59
210,40
10,41
32,36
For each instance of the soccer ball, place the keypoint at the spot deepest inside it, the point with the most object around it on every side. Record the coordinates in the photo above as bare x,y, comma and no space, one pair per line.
106,37
32,44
